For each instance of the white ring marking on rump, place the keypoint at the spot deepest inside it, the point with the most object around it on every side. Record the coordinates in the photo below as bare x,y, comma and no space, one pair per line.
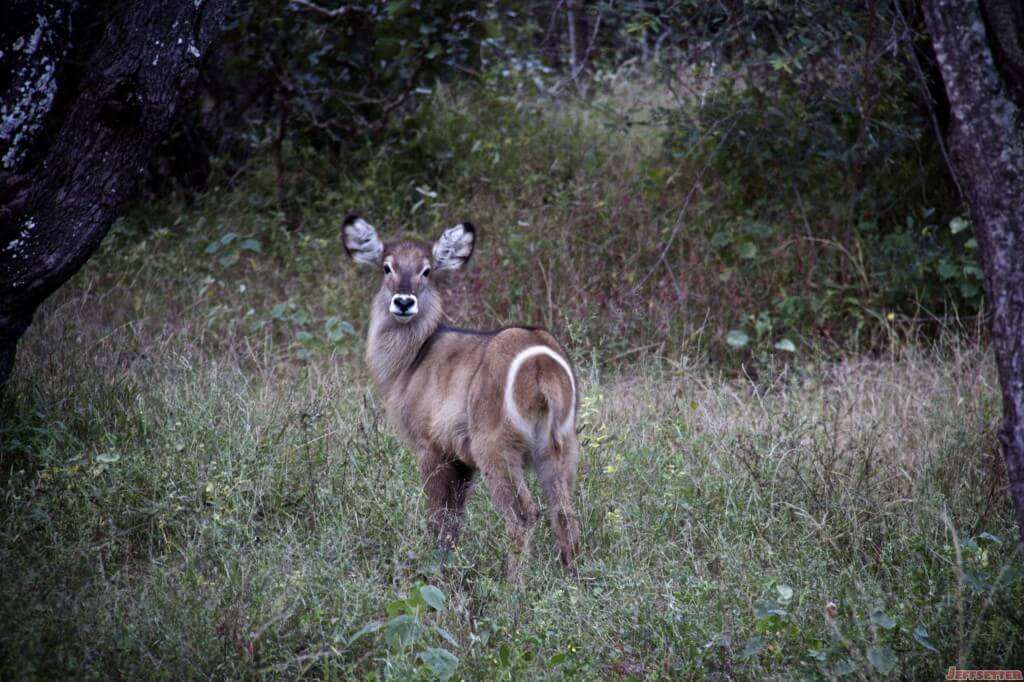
510,379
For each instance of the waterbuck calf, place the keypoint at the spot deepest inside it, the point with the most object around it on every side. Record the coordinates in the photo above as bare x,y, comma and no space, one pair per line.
468,401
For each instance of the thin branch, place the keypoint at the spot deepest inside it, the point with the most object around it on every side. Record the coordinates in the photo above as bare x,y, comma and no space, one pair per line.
323,11
682,211
923,84
590,48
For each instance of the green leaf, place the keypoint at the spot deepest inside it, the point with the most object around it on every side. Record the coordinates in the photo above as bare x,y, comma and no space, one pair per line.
719,240
987,538
108,457
757,229
754,646
974,271
441,662
228,238
402,631
228,258
947,270
977,581
369,628
737,338
251,245
958,225
969,290
785,345
414,603
557,659
398,8
882,659
843,667
213,247
303,337
397,607
433,597
882,619
764,609
387,48
921,637
746,250
446,636
279,311
493,29
784,591
778,63
504,654
337,329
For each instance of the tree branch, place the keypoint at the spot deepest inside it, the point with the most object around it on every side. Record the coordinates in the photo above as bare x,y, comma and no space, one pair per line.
301,5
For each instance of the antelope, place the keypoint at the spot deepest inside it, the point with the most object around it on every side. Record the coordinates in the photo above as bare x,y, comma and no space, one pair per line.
468,401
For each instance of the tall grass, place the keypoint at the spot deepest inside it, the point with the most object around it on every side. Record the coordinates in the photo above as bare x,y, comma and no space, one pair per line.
198,481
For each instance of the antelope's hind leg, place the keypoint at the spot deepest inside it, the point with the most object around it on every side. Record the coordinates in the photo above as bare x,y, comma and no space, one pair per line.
503,476
447,484
557,474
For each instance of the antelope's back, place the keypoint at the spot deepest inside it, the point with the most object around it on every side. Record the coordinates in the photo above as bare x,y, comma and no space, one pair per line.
435,403
465,381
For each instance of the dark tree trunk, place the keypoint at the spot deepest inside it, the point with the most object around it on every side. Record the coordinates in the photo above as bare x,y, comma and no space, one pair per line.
86,93
979,45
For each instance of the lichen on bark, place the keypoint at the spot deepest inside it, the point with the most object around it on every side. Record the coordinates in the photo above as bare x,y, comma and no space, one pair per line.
82,112
32,55
987,140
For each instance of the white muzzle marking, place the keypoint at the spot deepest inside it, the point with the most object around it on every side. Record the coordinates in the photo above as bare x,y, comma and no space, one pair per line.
513,369
403,307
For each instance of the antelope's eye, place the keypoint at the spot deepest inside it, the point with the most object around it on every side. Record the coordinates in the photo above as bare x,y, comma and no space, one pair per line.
426,272
387,269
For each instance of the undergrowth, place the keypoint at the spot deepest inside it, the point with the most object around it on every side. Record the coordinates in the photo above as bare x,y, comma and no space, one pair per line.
627,235
246,514
198,481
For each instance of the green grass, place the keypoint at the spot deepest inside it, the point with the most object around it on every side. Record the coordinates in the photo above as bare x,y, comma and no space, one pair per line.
198,481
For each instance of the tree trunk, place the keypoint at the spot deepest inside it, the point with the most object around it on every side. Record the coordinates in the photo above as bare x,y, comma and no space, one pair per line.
979,46
92,89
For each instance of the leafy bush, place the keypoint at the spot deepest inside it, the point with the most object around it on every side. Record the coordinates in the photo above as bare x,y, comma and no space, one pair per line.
828,200
407,628
299,75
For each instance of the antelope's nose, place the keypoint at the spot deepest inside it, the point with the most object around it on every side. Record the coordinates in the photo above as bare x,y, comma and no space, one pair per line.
403,307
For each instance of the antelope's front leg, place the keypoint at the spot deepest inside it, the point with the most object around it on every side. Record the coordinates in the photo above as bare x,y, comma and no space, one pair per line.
447,484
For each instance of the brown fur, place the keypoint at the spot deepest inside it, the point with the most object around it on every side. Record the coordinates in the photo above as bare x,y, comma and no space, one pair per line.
444,391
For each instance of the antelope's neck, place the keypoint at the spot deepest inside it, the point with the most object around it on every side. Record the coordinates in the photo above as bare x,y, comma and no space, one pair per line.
391,348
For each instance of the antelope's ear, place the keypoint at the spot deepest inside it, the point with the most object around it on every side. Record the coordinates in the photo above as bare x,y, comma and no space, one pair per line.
454,247
361,241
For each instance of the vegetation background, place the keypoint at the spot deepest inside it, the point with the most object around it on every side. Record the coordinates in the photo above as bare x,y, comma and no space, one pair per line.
739,219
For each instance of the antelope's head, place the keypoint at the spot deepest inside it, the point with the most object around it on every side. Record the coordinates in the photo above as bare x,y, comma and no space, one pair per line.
407,267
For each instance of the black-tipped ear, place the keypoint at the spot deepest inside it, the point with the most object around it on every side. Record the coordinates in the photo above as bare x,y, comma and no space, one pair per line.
454,247
361,241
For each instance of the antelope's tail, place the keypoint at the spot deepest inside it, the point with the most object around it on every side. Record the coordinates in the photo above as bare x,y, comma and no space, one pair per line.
557,407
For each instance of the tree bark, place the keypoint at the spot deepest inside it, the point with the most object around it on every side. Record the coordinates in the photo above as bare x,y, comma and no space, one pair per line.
978,45
93,88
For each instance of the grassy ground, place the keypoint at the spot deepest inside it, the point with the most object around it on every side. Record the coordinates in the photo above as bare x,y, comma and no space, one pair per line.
198,482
